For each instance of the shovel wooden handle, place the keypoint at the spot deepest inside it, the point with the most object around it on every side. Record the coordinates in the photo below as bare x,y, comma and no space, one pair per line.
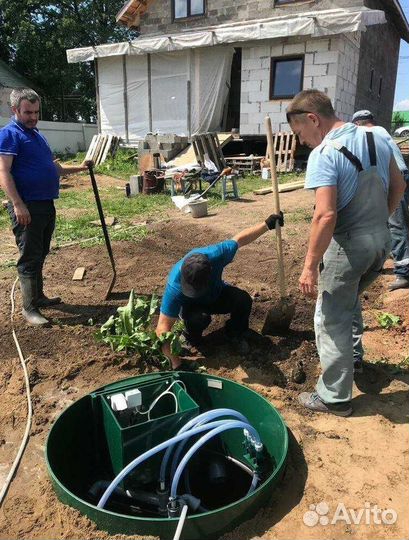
274,185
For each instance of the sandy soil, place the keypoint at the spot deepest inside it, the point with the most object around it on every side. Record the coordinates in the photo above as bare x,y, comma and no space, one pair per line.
355,461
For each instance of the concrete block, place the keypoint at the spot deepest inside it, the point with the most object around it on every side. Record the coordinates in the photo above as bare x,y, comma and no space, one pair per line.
258,97
285,126
249,129
326,57
251,86
250,107
324,81
252,63
332,69
260,74
261,52
294,48
244,97
245,74
276,49
313,70
308,59
271,107
316,45
307,83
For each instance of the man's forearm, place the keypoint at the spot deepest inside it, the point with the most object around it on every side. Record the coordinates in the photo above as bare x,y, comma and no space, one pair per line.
322,229
65,171
8,185
250,234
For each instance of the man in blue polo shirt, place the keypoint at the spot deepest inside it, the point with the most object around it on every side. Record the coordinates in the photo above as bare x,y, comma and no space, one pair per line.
357,186
195,290
30,178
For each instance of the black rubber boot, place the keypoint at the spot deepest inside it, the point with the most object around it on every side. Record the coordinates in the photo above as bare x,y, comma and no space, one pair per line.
28,286
42,299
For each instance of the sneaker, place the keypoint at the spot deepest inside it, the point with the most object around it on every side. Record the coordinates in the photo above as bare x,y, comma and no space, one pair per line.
312,401
400,282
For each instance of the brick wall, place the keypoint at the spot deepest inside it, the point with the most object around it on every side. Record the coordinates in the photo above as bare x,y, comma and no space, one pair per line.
330,65
158,19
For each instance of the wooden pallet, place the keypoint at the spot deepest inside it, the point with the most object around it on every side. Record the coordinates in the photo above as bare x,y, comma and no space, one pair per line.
284,143
244,163
100,147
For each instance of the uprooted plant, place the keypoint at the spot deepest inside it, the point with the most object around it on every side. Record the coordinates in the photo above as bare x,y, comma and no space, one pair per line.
131,331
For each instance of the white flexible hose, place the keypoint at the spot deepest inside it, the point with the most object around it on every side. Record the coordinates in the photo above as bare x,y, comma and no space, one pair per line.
181,522
29,405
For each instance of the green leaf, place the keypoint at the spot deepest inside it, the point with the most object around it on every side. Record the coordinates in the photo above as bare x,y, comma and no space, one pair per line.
388,320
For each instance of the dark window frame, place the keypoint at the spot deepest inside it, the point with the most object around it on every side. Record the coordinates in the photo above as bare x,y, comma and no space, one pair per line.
188,16
273,65
380,86
371,79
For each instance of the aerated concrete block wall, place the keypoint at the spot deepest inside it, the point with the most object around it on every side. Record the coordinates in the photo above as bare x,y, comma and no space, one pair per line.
330,65
158,19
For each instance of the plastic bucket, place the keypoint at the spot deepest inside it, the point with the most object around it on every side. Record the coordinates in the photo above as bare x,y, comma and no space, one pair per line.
198,209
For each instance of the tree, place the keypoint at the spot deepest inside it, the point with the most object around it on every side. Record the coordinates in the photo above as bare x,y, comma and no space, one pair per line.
35,36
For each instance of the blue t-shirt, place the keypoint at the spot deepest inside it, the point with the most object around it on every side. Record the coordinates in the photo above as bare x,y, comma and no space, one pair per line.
328,167
397,154
220,255
33,169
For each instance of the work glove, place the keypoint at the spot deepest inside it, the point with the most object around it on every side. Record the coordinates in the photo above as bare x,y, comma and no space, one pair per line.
273,219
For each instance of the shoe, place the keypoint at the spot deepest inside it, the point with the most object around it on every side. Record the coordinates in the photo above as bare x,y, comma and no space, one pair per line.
312,401
399,283
28,286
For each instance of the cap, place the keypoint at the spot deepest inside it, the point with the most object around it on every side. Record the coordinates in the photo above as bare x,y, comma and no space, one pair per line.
195,275
362,115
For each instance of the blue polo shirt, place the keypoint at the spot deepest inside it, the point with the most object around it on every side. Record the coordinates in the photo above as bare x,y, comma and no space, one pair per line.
328,167
220,255
33,169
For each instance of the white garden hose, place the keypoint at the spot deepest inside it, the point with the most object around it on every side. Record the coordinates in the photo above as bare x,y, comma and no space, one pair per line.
181,522
29,405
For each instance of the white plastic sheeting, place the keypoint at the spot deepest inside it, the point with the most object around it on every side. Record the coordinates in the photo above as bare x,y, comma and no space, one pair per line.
208,71
313,23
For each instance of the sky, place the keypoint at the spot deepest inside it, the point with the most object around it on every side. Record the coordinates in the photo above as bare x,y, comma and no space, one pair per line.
401,102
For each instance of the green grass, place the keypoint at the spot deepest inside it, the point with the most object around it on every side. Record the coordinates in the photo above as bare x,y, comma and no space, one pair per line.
123,165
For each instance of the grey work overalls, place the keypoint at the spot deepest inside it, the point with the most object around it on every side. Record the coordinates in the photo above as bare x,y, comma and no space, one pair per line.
353,260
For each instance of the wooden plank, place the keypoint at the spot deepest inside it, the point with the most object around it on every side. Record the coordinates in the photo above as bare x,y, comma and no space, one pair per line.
101,148
286,151
79,274
292,156
107,148
262,191
280,153
291,186
91,147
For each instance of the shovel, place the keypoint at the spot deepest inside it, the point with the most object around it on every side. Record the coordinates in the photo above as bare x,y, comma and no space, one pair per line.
279,317
104,229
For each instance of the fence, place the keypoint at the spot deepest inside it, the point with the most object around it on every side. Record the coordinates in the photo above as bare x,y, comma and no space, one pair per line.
64,137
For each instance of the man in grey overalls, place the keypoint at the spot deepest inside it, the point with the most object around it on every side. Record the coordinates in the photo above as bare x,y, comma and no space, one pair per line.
357,186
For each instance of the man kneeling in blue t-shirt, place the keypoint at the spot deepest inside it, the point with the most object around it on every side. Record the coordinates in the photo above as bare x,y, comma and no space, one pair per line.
195,290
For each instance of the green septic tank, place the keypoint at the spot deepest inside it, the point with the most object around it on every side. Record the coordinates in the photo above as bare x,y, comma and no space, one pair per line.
90,443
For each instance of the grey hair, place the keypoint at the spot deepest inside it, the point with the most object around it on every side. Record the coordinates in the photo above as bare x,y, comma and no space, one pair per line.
18,94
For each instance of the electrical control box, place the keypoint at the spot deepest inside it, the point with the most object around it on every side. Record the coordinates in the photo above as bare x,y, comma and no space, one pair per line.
145,422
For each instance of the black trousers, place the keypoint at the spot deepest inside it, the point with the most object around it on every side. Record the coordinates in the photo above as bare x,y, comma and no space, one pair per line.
232,300
33,240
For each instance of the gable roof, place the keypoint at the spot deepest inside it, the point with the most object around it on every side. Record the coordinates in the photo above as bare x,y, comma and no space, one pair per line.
9,78
131,12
